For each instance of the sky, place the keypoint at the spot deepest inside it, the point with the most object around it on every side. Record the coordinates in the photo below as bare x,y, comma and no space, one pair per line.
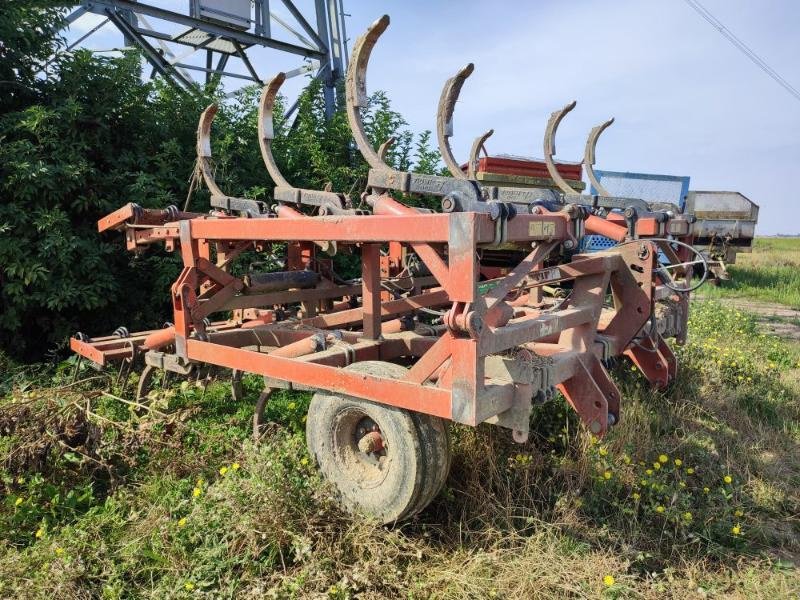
686,101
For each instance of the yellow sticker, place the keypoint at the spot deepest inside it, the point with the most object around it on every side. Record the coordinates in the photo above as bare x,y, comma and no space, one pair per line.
541,229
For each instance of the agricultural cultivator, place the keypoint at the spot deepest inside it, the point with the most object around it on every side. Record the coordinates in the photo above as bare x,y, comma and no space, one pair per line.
470,314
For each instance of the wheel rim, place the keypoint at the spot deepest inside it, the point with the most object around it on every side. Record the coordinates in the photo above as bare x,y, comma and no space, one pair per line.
360,449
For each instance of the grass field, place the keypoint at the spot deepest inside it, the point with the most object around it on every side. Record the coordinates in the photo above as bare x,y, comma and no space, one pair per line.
693,495
771,273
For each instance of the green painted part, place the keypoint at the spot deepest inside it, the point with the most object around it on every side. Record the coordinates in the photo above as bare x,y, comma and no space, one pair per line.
483,288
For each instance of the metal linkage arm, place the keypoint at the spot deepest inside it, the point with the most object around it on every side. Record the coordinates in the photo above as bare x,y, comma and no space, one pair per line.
327,202
444,118
218,198
589,156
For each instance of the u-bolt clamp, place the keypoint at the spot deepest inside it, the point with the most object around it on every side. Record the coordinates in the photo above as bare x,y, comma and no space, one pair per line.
631,216
501,213
577,214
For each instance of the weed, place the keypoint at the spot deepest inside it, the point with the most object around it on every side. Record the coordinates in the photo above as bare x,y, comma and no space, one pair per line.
692,494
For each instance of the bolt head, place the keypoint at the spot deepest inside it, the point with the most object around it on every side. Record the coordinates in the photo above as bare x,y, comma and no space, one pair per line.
475,324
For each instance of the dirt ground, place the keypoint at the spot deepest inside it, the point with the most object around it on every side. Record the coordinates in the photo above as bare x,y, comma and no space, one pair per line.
774,319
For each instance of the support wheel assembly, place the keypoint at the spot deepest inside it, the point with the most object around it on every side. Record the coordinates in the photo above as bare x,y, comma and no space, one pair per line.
384,461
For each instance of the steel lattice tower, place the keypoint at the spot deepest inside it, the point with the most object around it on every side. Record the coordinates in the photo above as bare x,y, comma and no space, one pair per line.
225,30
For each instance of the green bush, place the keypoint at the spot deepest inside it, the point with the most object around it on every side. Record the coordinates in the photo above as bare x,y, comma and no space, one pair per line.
90,137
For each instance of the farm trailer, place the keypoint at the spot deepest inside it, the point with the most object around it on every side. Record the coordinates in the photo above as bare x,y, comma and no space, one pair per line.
726,221
448,321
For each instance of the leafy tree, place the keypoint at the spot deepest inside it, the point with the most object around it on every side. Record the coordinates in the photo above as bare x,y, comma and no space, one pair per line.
90,137
27,41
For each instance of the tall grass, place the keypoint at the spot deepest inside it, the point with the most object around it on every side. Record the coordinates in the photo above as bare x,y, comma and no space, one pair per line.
179,502
771,273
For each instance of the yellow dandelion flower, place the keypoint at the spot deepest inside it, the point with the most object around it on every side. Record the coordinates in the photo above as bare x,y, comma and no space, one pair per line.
188,586
304,461
643,481
656,465
660,509
736,530
626,459
690,471
603,451
678,462
223,471
59,551
633,368
706,490
738,513
687,516
663,458
291,406
682,484
607,475
236,466
609,580
635,496
182,522
196,492
39,533
18,501
727,479
648,472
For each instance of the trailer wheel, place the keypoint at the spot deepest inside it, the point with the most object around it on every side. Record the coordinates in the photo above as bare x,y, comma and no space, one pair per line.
384,461
434,434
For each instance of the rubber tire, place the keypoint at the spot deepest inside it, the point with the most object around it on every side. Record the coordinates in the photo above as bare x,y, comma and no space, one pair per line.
434,433
418,451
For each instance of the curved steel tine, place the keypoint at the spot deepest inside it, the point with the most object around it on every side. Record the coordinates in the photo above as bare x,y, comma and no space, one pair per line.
266,131
356,90
384,148
589,156
444,118
472,166
204,149
550,147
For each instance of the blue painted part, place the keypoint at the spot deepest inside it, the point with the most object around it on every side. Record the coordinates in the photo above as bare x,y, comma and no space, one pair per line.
678,198
595,243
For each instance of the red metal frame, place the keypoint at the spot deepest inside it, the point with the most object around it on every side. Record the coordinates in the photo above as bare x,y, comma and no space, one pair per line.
462,372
